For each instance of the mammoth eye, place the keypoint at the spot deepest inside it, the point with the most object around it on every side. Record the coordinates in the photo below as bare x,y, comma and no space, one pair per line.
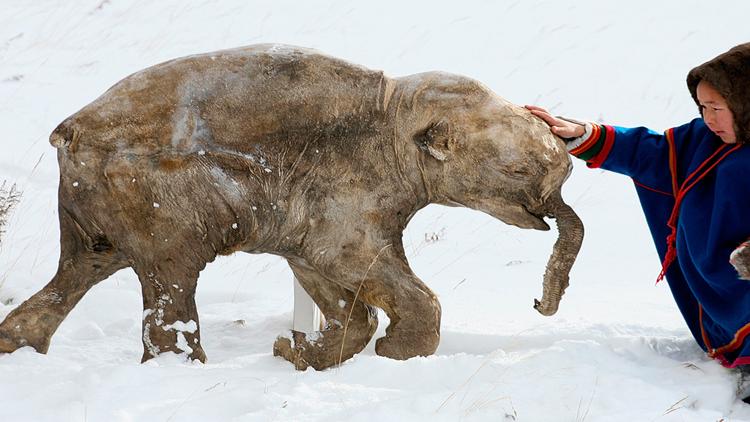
516,172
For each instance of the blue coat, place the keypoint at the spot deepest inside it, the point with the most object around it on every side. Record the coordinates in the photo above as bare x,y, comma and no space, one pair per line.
713,219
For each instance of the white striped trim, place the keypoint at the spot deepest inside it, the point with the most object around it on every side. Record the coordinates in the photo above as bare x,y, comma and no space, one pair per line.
576,142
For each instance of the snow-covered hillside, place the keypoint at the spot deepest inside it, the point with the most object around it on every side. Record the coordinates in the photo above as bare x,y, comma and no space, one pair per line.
616,351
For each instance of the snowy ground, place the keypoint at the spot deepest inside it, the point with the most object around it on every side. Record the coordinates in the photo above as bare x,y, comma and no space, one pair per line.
616,351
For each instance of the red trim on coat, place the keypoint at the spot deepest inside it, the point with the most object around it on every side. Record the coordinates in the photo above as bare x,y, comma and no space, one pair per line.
744,360
688,184
595,131
637,183
609,141
736,343
672,158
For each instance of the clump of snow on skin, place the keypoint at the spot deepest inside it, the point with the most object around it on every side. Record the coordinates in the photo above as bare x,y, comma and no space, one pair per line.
133,181
156,205
330,323
160,304
152,349
201,152
314,337
159,320
184,327
289,336
255,208
342,303
234,226
75,184
182,343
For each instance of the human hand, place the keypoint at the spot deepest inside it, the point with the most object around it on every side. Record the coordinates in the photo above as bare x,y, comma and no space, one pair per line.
740,259
560,127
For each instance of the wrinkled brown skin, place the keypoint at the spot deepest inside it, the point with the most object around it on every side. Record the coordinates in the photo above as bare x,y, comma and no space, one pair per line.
283,150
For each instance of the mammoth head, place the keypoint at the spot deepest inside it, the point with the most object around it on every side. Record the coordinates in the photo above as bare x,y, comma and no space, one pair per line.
496,158
499,159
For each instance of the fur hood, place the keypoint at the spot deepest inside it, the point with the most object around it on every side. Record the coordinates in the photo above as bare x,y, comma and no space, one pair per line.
729,73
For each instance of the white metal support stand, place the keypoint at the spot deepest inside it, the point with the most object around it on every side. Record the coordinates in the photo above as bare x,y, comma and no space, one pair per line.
307,317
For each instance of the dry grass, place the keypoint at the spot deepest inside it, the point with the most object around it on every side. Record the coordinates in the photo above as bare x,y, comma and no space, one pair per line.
9,197
354,302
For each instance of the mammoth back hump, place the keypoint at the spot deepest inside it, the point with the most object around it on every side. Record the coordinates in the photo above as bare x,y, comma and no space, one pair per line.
233,99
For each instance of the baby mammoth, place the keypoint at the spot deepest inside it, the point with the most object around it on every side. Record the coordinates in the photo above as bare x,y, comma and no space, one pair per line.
284,150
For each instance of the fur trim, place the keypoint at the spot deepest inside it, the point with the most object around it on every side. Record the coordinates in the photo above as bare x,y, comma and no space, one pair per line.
729,73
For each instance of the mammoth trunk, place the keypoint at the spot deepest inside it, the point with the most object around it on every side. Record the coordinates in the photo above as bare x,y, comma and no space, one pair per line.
570,236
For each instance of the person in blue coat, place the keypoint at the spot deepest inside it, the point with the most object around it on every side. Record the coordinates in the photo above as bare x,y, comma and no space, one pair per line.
693,185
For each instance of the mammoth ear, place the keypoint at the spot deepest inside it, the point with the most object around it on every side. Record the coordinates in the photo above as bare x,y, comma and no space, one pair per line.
438,140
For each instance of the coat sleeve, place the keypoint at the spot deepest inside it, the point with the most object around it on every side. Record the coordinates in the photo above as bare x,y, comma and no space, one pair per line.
646,156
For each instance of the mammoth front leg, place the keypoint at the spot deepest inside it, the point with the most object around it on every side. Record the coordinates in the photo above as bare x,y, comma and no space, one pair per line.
339,340
385,280
170,317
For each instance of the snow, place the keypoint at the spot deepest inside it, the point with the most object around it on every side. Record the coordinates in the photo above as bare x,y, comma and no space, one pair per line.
182,343
616,351
187,327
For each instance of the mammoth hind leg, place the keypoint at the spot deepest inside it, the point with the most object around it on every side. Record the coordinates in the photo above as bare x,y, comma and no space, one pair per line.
84,262
349,325
170,316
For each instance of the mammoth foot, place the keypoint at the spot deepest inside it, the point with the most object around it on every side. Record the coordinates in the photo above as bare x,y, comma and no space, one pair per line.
303,353
178,338
403,345
321,349
196,354
10,342
8,345
296,350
